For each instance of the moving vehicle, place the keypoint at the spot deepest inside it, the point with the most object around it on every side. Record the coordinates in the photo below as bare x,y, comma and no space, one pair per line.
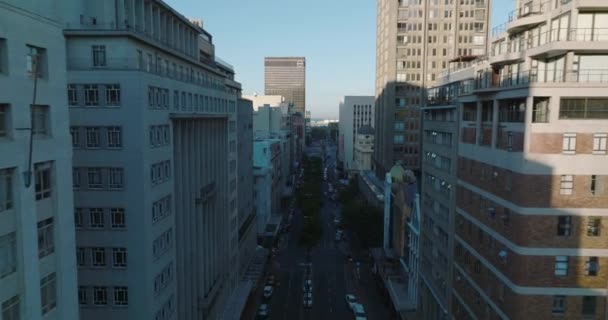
358,311
268,292
350,300
263,311
307,299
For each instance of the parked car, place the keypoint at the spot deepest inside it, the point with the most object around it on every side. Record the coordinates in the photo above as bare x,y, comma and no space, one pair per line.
338,235
267,291
263,311
350,300
336,221
307,286
270,280
307,300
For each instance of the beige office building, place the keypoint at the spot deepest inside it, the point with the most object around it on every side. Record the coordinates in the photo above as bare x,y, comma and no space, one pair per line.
286,76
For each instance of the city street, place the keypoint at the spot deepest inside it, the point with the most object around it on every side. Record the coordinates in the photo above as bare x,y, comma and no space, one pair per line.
333,275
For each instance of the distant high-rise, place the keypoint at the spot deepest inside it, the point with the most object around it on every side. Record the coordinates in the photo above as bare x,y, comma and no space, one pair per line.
286,76
416,39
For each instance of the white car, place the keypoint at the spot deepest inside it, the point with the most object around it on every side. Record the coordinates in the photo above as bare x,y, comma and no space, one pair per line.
350,300
358,311
267,292
307,299
336,220
263,311
307,286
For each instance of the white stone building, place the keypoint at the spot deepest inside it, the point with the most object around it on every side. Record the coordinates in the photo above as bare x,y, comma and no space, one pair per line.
355,112
364,148
148,101
37,261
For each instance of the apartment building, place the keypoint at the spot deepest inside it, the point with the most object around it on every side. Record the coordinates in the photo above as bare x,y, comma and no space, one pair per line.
148,101
364,148
515,153
37,238
354,112
416,39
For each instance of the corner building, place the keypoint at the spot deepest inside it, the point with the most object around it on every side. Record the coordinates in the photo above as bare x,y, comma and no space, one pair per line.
529,182
153,124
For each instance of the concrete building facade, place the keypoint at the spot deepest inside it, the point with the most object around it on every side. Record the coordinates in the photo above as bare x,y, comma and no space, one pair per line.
355,112
415,42
268,184
155,211
364,148
520,144
37,237
286,76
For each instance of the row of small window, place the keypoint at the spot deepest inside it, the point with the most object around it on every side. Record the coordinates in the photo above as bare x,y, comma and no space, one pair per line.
401,139
439,185
160,172
438,161
564,226
410,101
98,178
163,279
588,307
88,95
11,307
200,103
162,244
160,136
98,295
91,137
167,310
566,185
96,257
599,143
440,138
97,218
40,117
161,208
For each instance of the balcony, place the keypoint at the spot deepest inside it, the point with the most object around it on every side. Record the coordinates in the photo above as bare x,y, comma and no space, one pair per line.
540,77
529,14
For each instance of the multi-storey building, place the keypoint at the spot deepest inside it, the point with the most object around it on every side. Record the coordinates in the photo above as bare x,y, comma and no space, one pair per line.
269,183
153,124
355,112
37,237
415,41
364,148
286,76
514,172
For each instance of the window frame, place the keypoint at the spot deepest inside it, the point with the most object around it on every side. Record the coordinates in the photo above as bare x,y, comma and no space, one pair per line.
93,137
98,252
600,142
116,178
561,266
118,218
113,95
48,291
100,295
569,143
97,218
566,185
40,121
6,189
98,55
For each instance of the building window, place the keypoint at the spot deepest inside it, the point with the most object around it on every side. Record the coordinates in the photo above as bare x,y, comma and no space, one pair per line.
48,293
599,143
8,254
99,56
81,257
42,173
589,305
113,95
591,266
121,296
4,117
94,177
6,189
40,121
116,178
93,137
11,309
75,133
100,295
91,95
119,257
559,304
593,226
540,110
72,95
114,137
118,218
569,143
82,295
583,108
78,218
35,61
564,225
98,257
561,265
566,185
96,217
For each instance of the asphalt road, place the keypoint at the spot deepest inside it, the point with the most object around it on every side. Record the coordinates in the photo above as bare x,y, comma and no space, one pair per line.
333,275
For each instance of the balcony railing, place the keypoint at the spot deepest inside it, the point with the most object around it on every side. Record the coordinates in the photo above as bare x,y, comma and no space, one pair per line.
521,44
547,76
528,9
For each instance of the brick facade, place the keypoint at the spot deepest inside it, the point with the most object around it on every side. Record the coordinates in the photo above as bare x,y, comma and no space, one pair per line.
552,143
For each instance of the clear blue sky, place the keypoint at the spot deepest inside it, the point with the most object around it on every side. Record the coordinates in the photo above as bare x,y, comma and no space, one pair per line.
337,37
